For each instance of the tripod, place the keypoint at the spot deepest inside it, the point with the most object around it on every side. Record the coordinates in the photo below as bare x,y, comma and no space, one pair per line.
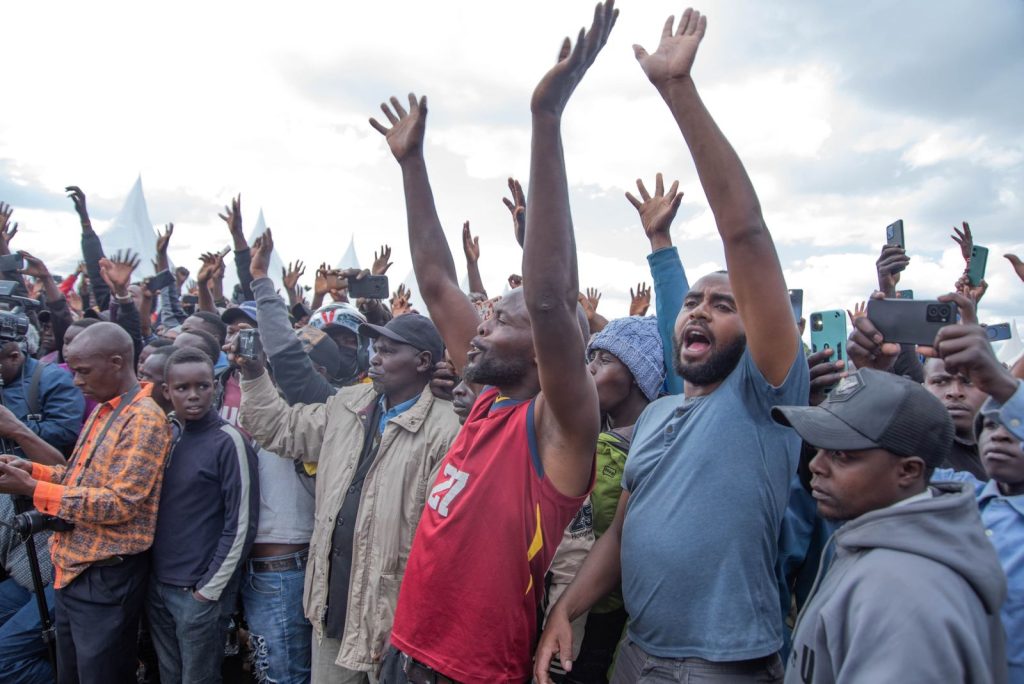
48,634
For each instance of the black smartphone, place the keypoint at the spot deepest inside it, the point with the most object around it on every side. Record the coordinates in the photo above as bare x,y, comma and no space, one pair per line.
249,344
910,321
998,332
160,281
369,287
905,294
11,262
187,300
796,300
894,234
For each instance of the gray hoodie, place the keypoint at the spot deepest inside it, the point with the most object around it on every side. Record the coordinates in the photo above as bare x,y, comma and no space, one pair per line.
913,595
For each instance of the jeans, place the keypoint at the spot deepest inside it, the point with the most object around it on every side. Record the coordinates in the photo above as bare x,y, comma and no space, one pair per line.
189,634
23,656
634,666
279,633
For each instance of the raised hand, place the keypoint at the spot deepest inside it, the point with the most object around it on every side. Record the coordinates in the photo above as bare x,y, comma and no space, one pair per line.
824,374
1018,265
117,272
259,255
867,348
405,137
34,266
517,207
972,292
232,216
673,59
164,239
211,263
290,276
589,301
657,211
640,300
891,262
860,310
78,198
964,239
400,303
553,92
381,261
470,245
6,233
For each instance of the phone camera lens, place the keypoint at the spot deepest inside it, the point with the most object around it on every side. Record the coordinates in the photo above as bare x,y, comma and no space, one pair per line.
933,312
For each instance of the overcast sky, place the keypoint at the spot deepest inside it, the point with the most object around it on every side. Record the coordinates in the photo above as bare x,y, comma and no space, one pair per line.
847,116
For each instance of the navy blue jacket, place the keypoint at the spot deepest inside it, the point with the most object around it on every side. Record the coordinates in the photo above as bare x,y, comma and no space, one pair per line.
61,404
209,507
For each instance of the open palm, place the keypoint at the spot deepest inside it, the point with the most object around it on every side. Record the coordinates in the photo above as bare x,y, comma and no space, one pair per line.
408,128
675,54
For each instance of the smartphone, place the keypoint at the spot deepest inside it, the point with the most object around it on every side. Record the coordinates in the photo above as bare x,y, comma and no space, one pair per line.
998,332
189,300
910,321
894,234
905,294
11,262
796,300
828,331
160,281
249,344
369,287
976,271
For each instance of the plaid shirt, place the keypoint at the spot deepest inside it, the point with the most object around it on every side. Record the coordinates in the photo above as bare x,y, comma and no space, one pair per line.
110,490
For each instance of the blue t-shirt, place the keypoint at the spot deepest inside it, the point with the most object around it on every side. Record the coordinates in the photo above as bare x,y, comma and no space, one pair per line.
709,480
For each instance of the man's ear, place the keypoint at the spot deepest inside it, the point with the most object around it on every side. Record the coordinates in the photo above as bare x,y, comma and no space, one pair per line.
117,360
424,362
910,470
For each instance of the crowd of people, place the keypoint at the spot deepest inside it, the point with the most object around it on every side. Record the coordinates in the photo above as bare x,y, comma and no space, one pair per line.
316,486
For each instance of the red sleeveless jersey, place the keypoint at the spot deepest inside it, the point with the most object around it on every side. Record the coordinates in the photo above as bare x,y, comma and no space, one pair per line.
475,576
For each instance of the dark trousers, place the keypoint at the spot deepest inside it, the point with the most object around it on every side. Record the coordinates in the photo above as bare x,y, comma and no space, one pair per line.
98,623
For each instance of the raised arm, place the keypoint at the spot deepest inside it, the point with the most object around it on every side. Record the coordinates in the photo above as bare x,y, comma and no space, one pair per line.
471,246
754,270
232,216
670,286
456,317
92,248
567,411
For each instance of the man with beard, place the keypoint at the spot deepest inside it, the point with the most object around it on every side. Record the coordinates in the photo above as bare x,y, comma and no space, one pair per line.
707,480
523,463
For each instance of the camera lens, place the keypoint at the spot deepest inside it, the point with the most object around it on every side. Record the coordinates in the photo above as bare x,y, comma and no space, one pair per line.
933,312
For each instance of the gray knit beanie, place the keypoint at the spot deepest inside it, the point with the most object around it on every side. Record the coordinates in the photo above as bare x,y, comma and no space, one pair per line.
635,342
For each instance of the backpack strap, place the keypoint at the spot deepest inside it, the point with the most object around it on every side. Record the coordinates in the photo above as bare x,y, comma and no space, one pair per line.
33,393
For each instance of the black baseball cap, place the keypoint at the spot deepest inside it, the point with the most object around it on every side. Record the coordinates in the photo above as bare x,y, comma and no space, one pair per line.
870,409
412,329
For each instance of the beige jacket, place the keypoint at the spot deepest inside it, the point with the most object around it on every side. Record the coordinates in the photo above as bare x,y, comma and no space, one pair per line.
394,493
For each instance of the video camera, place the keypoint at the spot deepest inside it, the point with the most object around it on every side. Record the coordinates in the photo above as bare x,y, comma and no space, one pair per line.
13,323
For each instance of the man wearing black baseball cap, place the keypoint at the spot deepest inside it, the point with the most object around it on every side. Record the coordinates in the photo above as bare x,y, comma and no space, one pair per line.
377,449
915,588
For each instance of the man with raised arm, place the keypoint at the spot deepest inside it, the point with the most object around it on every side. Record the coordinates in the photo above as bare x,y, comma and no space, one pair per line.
523,463
707,480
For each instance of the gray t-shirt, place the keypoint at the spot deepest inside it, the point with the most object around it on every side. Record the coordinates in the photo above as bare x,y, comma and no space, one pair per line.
709,481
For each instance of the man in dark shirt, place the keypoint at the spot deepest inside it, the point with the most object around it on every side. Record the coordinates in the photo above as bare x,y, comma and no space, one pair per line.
963,400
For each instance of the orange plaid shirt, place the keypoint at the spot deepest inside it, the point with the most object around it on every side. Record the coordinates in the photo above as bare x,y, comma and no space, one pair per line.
111,490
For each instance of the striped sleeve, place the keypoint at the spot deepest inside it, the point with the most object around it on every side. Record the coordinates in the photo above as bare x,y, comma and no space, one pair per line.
239,487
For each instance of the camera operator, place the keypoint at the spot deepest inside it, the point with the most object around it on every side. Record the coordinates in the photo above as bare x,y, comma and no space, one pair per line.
109,491
23,656
35,397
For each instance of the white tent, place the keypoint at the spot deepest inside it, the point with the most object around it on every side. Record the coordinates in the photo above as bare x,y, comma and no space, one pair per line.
349,259
132,229
1011,349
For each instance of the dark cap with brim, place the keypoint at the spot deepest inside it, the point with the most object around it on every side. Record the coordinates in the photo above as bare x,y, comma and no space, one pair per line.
244,312
870,409
414,330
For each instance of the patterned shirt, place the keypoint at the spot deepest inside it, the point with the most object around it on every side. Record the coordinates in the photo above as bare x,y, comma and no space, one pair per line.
111,488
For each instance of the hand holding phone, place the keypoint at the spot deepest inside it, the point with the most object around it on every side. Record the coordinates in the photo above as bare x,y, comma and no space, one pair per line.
908,321
894,234
976,268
